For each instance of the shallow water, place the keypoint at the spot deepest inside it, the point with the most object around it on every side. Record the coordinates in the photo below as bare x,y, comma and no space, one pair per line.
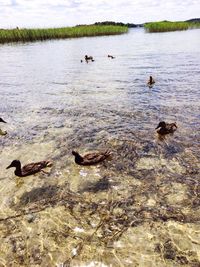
141,207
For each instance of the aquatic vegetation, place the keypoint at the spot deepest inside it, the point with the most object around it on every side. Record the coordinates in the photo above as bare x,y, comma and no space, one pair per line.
25,35
166,26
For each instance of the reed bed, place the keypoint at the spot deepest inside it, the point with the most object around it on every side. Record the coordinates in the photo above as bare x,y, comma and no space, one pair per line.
30,35
166,26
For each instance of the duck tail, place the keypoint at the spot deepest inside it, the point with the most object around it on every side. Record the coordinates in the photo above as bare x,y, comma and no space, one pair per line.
107,153
48,163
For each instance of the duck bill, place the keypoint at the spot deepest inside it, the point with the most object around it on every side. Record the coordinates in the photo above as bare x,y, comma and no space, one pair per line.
157,127
1,120
9,166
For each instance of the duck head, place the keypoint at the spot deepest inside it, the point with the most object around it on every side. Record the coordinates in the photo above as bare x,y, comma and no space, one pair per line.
78,157
1,120
15,163
75,153
161,124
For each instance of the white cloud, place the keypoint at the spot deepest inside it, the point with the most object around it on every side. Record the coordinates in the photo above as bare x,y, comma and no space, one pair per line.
49,13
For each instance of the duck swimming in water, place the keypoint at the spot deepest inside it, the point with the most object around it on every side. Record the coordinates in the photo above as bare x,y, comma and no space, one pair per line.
151,81
30,168
88,58
166,128
111,57
90,158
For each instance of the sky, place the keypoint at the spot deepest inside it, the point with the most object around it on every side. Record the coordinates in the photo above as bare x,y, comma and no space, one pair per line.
59,13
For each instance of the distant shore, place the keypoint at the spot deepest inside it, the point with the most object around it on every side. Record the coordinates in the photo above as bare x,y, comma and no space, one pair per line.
159,26
30,35
166,26
97,29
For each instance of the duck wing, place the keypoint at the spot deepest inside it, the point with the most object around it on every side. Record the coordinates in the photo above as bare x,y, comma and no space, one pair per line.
96,157
35,167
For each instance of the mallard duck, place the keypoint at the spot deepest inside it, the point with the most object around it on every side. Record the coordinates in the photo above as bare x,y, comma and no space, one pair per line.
90,158
151,81
166,128
1,120
30,168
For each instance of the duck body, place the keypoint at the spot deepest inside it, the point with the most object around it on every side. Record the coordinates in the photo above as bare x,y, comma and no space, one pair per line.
166,128
28,169
90,158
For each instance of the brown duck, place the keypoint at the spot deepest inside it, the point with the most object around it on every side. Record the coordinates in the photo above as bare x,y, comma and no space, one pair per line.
166,128
28,169
90,158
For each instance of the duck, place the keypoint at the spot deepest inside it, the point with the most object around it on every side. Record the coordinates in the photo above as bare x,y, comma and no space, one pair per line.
166,128
30,168
90,158
111,56
151,81
88,58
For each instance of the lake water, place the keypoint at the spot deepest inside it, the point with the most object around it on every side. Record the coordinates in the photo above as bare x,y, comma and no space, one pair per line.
139,208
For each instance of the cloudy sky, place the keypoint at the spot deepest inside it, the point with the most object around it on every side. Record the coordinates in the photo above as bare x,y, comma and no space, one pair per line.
50,13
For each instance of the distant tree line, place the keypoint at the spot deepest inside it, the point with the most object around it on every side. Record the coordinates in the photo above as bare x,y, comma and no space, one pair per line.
133,25
196,20
129,25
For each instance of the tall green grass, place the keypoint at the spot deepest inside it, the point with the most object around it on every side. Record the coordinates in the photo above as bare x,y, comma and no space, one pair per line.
167,26
24,35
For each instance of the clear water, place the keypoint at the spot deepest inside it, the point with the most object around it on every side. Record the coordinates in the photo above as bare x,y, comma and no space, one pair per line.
141,207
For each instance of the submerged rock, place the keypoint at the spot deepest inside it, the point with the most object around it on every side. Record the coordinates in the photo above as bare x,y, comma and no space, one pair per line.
30,218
